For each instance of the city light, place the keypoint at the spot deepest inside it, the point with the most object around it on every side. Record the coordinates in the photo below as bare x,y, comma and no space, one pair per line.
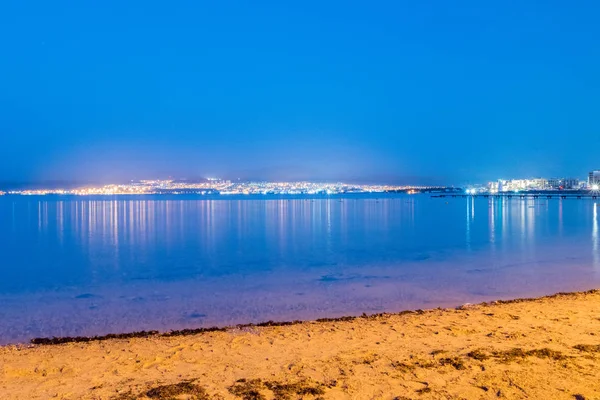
214,186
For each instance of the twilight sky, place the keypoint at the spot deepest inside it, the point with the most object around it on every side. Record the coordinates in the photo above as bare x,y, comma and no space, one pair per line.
422,91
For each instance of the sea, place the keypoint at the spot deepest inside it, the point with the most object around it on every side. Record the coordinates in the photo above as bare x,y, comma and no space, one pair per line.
82,266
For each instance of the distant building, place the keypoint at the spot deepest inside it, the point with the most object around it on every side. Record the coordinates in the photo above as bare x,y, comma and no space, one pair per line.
493,187
571,183
517,185
594,178
537,184
555,183
563,183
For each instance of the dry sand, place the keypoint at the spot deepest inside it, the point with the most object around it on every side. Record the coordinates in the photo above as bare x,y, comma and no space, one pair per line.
547,348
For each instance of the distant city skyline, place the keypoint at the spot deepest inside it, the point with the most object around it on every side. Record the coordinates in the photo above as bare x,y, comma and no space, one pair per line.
218,185
591,177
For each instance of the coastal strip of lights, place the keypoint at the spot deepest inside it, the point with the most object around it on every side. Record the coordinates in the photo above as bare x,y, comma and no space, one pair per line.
223,187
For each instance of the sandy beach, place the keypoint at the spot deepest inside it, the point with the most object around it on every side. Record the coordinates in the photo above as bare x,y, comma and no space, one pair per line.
531,348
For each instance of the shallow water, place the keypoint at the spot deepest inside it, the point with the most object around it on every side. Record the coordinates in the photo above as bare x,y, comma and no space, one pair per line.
83,266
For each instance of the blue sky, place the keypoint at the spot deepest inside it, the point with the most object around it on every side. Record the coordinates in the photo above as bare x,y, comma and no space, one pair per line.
427,91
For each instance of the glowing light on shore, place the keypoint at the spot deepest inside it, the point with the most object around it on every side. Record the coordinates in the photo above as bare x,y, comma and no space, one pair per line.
226,187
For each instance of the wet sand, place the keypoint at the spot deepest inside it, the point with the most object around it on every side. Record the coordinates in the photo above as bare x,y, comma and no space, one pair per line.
537,348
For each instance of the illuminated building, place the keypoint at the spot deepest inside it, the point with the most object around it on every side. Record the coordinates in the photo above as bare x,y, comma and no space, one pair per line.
563,183
593,178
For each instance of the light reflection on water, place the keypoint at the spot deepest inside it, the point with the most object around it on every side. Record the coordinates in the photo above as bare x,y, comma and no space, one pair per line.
97,265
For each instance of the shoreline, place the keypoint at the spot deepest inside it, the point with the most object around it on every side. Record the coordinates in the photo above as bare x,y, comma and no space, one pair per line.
522,348
56,340
102,311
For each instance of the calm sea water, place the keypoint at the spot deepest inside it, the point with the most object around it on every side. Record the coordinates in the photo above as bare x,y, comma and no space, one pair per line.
84,266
